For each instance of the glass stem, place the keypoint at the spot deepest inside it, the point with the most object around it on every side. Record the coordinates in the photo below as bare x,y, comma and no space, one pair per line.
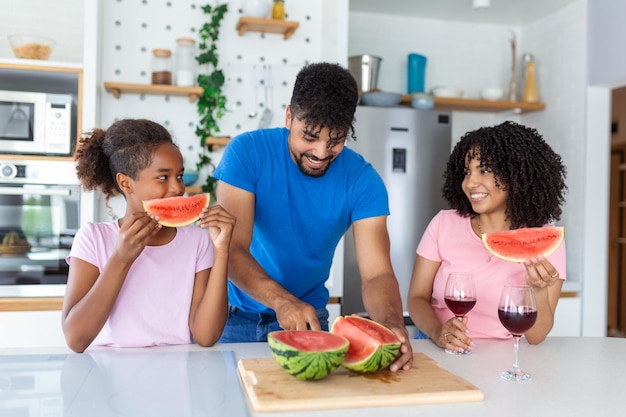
515,369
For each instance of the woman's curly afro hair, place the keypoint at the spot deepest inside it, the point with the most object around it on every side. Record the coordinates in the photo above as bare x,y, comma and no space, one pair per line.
522,163
325,95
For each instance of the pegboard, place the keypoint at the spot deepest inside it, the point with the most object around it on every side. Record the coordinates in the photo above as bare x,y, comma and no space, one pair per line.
131,29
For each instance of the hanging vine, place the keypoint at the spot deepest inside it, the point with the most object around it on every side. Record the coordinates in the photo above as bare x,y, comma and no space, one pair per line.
212,102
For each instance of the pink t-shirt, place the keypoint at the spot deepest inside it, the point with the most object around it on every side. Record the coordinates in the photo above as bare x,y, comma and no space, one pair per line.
449,239
153,305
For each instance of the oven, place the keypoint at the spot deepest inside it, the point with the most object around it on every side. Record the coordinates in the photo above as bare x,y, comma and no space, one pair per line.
39,216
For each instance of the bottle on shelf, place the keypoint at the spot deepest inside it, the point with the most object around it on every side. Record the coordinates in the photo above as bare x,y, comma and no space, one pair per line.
530,94
278,10
185,75
162,67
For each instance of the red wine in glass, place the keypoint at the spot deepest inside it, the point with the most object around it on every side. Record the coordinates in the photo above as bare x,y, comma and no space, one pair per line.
460,307
518,322
460,297
517,311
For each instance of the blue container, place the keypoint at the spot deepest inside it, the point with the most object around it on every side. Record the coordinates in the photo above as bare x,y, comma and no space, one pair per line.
416,71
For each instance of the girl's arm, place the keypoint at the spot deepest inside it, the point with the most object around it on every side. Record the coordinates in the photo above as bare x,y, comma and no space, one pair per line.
544,278
209,304
91,294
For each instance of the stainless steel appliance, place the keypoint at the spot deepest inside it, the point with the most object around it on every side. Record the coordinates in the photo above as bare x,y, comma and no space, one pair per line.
409,149
36,123
39,216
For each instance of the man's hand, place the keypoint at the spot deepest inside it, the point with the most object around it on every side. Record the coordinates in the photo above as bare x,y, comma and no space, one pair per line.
296,315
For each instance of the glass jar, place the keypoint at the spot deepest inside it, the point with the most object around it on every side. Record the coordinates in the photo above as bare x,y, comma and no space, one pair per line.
185,62
278,10
530,94
162,66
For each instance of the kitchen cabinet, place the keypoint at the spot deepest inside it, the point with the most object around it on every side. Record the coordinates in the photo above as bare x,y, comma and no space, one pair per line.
27,329
251,24
164,90
46,77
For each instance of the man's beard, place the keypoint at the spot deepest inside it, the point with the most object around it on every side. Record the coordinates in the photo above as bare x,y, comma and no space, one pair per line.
306,170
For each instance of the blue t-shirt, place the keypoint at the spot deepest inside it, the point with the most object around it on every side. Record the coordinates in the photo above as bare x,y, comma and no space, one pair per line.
298,219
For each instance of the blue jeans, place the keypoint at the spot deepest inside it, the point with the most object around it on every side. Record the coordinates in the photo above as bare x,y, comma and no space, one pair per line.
420,335
254,327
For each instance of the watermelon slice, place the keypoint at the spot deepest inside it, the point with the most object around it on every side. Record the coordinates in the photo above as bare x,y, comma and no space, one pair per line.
525,243
372,346
177,211
308,355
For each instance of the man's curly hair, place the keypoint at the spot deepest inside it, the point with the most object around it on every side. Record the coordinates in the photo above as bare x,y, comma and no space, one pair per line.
522,163
325,95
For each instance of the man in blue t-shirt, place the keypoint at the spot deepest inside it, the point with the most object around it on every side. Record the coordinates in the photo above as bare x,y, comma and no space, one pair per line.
295,191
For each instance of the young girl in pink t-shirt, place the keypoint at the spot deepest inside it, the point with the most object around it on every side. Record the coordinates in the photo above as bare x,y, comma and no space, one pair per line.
133,282
497,178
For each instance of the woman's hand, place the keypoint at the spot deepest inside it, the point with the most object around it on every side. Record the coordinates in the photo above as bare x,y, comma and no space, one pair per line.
540,273
454,335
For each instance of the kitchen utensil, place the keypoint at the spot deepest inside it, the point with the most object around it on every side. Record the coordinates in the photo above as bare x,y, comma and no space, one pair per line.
190,177
447,91
266,117
416,67
270,388
364,69
492,93
381,99
422,101
31,47
255,77
256,8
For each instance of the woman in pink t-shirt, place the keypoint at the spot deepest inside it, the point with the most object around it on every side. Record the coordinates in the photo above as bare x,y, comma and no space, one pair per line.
133,282
497,178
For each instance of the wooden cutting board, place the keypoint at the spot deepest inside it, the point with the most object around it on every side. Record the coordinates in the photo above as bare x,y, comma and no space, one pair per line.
270,388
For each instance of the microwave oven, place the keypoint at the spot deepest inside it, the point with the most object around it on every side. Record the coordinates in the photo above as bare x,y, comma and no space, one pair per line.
35,123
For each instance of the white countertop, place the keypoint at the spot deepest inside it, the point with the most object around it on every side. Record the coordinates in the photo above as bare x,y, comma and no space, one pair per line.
572,376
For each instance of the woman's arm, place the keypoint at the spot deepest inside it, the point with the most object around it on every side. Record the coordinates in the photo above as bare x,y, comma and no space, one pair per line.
544,278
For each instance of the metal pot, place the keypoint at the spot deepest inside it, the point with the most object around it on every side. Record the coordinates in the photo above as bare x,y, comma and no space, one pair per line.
364,69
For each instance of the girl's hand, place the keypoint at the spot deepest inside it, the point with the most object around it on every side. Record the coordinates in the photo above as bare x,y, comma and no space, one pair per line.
135,233
220,224
540,273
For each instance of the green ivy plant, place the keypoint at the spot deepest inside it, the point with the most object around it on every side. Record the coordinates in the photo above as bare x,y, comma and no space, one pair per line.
212,103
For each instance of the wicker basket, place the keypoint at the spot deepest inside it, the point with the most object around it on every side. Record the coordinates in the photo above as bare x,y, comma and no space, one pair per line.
14,250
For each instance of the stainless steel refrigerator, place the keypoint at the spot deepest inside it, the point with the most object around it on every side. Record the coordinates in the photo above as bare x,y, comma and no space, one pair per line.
409,148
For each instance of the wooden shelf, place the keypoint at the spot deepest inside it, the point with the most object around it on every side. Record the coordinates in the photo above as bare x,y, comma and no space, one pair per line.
217,142
252,24
31,304
192,190
163,90
477,105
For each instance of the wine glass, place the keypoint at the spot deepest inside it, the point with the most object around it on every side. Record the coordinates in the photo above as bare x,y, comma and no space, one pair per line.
517,312
460,297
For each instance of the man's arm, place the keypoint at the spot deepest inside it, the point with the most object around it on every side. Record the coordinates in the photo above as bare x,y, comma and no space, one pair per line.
246,273
381,294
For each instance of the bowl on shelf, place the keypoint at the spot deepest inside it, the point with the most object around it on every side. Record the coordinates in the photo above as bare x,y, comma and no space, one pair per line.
492,93
422,101
381,99
31,46
190,177
448,91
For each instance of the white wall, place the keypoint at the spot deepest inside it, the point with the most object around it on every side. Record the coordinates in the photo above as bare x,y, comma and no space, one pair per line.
61,20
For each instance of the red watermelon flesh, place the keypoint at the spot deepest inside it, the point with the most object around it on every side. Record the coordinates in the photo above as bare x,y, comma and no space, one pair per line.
372,346
177,211
525,243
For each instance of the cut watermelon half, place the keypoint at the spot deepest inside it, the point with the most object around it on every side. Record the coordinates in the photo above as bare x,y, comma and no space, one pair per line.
372,346
177,211
525,243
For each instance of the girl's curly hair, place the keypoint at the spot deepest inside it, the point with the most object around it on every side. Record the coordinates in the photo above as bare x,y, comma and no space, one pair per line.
325,95
126,146
522,163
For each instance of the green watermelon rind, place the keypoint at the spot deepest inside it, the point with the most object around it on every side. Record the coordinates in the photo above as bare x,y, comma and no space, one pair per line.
516,254
307,366
380,358
188,211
